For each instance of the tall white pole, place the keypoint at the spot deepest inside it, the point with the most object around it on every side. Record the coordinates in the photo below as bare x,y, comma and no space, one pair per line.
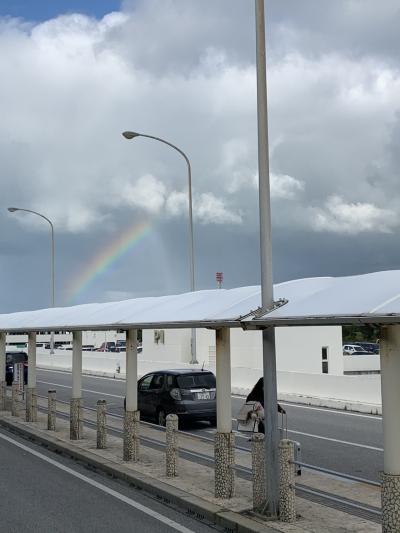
269,356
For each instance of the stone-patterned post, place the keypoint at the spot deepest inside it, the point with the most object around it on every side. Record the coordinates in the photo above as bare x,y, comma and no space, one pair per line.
15,394
31,404
3,395
131,436
390,377
258,471
76,419
224,449
172,451
390,495
51,410
287,495
3,383
101,424
31,397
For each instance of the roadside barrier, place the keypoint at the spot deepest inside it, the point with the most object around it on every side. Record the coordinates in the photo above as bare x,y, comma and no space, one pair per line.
288,488
101,424
51,410
171,450
15,399
258,471
287,493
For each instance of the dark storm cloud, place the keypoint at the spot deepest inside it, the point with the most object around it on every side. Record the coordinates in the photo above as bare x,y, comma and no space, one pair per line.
184,70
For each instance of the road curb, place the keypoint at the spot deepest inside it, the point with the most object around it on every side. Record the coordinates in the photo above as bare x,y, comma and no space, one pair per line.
193,505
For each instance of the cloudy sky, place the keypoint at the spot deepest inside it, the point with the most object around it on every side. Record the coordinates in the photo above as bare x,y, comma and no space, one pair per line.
75,74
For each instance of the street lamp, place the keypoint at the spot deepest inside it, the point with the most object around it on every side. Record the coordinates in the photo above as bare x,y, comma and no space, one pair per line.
13,210
267,295
132,135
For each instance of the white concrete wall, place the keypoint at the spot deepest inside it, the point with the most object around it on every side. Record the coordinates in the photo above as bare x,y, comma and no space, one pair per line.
298,349
361,363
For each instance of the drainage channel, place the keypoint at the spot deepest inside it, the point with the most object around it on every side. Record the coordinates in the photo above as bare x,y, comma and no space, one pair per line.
352,507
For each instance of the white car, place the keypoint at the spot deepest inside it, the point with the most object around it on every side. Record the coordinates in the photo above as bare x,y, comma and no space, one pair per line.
351,349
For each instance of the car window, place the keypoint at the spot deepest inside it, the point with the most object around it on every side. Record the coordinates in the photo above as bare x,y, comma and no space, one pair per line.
145,383
16,357
170,381
203,380
157,382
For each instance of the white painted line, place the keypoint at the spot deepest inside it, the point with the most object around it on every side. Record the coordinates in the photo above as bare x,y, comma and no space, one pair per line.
100,486
90,376
83,390
338,441
329,410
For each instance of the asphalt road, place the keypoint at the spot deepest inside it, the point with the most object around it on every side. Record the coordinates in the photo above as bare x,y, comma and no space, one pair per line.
345,442
41,492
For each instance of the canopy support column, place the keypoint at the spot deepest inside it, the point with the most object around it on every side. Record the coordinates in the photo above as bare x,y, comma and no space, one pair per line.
224,448
2,371
390,379
132,415
76,402
31,397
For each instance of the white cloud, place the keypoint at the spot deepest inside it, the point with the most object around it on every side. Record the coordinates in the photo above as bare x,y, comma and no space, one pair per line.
177,203
147,193
352,218
285,187
210,209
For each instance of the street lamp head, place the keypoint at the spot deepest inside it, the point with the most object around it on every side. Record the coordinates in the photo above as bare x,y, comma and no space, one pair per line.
13,209
130,134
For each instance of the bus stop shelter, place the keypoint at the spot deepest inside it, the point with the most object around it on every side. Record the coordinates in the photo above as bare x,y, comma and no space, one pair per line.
361,300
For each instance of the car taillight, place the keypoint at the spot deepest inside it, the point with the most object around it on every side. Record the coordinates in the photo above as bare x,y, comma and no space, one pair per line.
176,394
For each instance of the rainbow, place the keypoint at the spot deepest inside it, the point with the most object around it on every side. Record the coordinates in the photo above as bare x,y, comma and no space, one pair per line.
103,261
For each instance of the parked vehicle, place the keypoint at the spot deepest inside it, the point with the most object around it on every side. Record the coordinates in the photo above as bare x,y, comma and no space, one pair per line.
108,346
372,347
190,394
88,348
13,358
354,349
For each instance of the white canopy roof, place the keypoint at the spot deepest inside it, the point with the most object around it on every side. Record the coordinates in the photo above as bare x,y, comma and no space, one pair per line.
367,298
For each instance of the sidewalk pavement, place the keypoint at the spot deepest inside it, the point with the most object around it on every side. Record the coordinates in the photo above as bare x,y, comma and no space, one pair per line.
193,488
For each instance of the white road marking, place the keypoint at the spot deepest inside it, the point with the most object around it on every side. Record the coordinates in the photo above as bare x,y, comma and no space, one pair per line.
100,486
83,390
91,376
329,410
356,444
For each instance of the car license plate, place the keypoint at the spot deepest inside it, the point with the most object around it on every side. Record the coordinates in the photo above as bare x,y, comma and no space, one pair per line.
203,395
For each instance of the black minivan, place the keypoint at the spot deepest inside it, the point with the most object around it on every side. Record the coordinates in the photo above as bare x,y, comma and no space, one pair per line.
190,394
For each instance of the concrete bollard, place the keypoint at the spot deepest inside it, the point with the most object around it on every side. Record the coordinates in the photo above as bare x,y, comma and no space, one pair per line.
172,451
31,404
287,495
76,419
131,436
258,472
390,495
15,399
3,394
101,424
51,410
224,453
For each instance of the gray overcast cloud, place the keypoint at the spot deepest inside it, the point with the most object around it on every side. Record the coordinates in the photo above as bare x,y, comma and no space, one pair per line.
184,70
